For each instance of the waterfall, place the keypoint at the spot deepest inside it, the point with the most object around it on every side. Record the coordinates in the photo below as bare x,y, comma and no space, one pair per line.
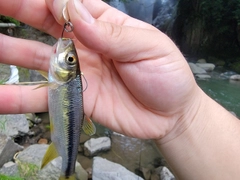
160,13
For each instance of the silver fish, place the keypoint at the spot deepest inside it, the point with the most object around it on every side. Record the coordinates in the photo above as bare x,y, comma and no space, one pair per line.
65,101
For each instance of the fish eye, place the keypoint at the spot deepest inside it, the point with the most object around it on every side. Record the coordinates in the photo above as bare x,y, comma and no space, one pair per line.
71,59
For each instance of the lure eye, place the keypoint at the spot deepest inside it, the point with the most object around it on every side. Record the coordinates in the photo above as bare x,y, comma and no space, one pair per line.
71,59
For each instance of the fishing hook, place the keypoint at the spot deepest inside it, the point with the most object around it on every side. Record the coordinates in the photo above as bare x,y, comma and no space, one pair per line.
68,26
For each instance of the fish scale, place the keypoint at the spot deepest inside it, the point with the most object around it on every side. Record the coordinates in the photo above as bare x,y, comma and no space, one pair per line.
67,122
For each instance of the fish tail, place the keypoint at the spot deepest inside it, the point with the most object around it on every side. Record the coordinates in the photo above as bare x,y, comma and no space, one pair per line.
72,177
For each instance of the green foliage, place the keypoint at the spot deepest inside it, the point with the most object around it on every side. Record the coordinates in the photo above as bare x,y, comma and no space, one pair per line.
27,170
219,33
7,19
4,177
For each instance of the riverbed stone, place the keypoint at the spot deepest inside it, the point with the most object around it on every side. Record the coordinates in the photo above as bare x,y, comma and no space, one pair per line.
95,145
7,149
14,125
162,173
34,155
196,69
9,169
235,77
104,169
206,66
202,76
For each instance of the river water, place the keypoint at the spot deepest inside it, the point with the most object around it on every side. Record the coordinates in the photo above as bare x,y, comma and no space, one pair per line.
224,91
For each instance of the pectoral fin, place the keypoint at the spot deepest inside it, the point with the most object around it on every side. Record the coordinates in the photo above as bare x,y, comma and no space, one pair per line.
44,74
50,154
88,126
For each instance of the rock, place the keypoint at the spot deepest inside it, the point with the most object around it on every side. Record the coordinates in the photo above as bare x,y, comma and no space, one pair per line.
14,124
196,69
9,169
33,118
202,76
7,149
107,170
53,170
34,155
227,75
146,173
201,61
162,173
235,77
95,145
206,66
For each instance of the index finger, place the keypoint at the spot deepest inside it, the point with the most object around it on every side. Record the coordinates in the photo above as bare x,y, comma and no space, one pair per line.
33,13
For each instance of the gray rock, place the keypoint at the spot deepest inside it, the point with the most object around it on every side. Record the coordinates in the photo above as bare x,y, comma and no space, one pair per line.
14,124
202,76
164,173
7,149
107,170
235,77
196,69
10,169
95,145
34,155
206,66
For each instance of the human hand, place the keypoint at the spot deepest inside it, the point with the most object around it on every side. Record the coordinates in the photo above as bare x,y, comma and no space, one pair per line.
139,84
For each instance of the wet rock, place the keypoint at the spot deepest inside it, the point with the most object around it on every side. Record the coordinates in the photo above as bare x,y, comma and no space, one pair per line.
202,76
162,173
206,66
7,149
227,75
196,69
95,145
107,170
14,124
235,77
9,169
34,155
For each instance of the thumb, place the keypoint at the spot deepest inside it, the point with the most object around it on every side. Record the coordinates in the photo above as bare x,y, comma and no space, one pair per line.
117,40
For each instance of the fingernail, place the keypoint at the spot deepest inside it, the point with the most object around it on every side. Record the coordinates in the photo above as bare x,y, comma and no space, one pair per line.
83,12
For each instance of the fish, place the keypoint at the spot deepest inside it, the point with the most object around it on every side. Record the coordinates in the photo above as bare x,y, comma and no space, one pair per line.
66,111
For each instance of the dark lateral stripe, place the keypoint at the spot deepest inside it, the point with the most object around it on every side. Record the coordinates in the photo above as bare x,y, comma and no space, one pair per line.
74,94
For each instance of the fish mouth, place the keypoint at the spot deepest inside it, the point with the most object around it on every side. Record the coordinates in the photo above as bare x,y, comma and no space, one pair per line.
64,44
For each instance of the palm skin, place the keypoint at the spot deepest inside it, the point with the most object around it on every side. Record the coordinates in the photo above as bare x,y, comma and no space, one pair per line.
139,84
